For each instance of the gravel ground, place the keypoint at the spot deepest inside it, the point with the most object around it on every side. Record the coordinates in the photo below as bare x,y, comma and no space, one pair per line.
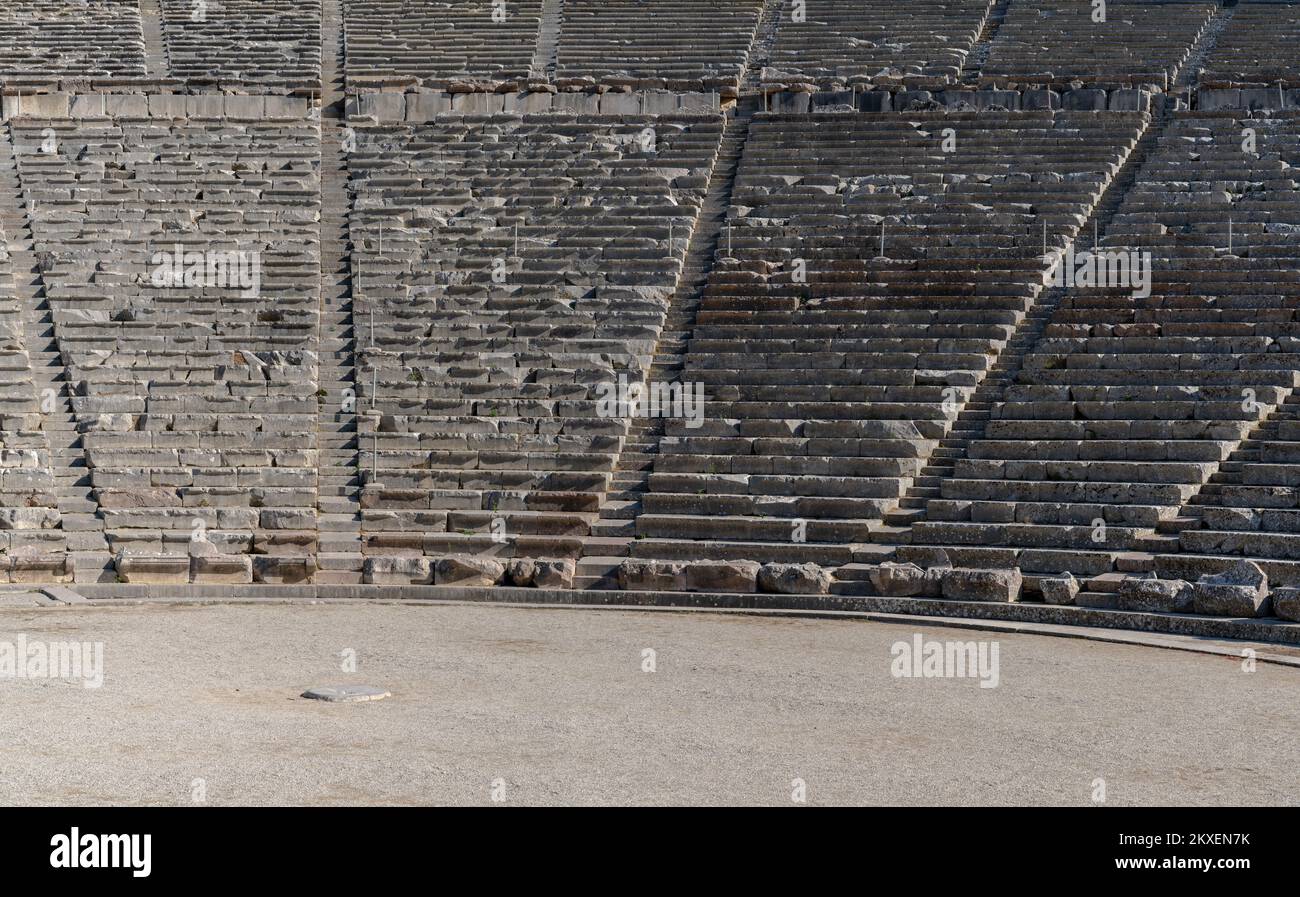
552,706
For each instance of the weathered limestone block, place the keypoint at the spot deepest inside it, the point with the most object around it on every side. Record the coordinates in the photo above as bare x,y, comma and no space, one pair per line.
1040,99
875,101
470,572
126,106
534,101
521,572
968,584
397,571
221,568
1007,99
1128,100
659,102
43,105
1239,591
556,574
723,576
474,104
288,518
795,579
144,497
207,105
620,104
166,105
1085,100
421,107
28,518
1061,589
40,567
287,107
1211,99
382,106
652,576
247,107
284,543
88,105
153,568
1147,594
898,580
283,570
1286,604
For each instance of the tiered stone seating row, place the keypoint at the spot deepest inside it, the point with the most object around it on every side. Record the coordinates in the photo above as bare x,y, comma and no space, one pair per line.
842,43
680,44
46,39
440,41
196,400
1252,505
1258,47
825,397
504,268
1054,42
31,543
1128,405
264,42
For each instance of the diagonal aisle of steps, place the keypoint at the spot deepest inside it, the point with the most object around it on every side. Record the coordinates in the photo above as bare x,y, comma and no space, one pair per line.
618,512
338,490
80,531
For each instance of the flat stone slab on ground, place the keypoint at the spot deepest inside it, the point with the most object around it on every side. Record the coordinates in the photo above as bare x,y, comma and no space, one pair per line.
346,694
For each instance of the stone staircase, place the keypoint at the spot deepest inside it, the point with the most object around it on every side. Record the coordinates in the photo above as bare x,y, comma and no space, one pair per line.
1251,450
618,513
338,485
1188,73
976,412
979,54
78,509
760,53
545,60
155,48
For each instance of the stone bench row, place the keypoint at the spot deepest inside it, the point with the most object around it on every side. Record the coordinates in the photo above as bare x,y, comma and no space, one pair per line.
244,41
779,358
842,42
440,40
214,106
1056,42
1129,404
1257,47
620,42
486,328
65,38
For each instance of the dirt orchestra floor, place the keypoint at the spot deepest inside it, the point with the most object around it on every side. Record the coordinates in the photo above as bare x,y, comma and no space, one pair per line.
560,706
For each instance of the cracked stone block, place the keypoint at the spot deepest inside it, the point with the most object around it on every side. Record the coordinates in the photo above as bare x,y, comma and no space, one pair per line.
221,568
795,579
1147,594
966,584
283,570
556,574
397,571
1061,589
652,576
40,567
1286,604
153,568
521,571
469,572
722,576
895,580
1239,591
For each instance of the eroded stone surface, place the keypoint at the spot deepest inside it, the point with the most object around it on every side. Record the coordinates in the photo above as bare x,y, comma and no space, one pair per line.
963,584
795,579
1060,589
